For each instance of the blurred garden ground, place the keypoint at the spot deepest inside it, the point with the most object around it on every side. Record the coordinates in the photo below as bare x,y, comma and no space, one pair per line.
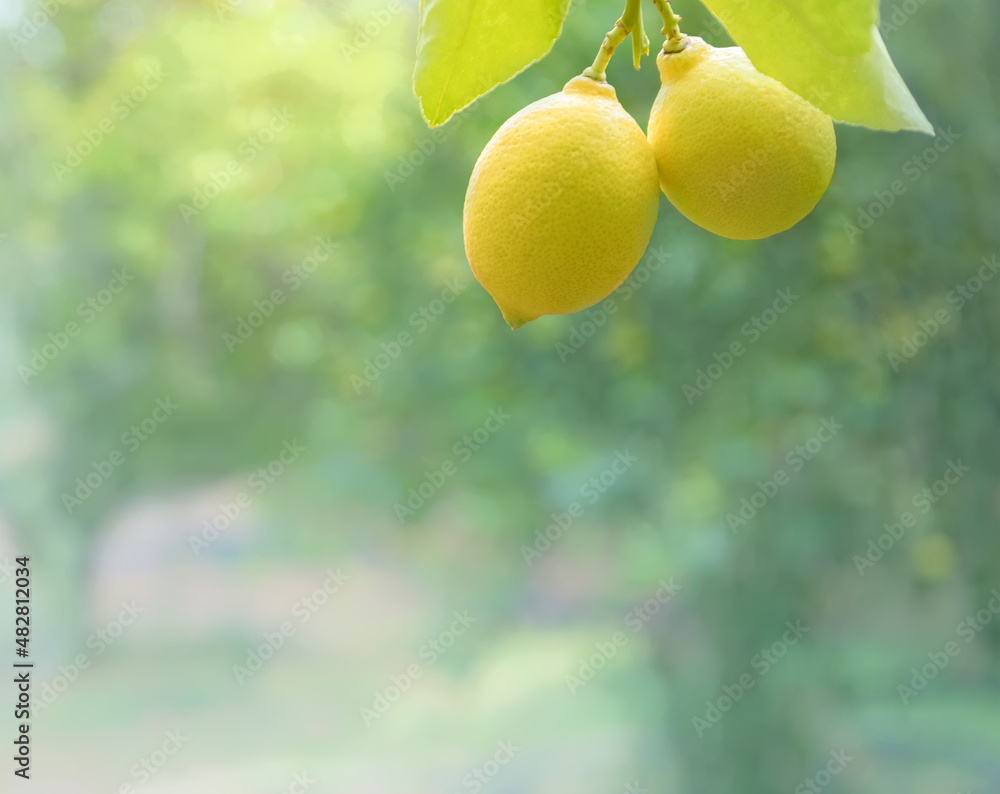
249,384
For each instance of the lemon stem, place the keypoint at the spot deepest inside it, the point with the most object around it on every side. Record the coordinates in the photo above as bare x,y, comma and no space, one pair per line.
629,23
676,41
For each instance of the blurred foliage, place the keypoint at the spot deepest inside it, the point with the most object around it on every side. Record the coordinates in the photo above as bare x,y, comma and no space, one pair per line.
355,165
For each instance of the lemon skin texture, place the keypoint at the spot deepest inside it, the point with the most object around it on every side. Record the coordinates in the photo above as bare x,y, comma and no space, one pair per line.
561,203
738,153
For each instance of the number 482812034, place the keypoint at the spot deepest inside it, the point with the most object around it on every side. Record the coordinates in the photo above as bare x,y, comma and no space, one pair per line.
23,603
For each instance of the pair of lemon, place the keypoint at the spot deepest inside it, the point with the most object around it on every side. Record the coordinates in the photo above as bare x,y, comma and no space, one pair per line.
563,200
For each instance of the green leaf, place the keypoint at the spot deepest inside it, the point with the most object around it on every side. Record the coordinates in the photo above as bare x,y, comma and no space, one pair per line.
465,48
830,53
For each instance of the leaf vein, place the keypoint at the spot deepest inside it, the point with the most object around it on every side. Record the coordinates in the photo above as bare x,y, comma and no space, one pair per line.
458,49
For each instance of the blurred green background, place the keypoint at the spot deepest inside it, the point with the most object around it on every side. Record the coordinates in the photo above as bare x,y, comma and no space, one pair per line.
216,222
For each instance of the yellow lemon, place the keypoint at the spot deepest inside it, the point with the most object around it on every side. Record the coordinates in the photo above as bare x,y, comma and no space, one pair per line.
738,153
561,204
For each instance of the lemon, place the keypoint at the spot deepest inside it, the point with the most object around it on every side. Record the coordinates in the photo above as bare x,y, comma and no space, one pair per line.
561,203
738,153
